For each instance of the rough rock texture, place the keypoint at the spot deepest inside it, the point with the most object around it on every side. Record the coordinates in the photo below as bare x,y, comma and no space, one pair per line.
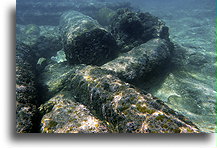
132,29
44,41
25,90
124,107
25,114
145,59
87,99
85,41
66,116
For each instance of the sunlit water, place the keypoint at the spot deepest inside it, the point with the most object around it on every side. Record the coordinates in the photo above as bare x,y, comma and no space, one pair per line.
189,89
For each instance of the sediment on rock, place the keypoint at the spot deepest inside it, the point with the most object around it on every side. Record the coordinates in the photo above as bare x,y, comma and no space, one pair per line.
141,61
132,29
25,90
85,41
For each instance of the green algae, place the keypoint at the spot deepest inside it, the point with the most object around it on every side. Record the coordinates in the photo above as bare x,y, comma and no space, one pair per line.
52,124
144,109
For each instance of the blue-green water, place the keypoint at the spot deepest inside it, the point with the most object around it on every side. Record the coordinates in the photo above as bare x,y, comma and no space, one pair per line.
189,87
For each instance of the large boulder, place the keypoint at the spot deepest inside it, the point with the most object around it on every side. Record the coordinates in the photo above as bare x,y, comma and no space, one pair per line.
85,41
125,107
132,29
141,61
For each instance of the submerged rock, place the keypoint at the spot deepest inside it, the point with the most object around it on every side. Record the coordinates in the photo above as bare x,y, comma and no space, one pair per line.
44,41
87,99
124,107
25,90
25,117
85,41
145,59
190,87
132,29
66,116
55,78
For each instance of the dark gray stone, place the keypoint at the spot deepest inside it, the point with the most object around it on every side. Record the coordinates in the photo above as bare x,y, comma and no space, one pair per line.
132,29
85,41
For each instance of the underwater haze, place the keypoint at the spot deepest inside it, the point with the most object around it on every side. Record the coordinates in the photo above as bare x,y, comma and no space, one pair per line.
116,66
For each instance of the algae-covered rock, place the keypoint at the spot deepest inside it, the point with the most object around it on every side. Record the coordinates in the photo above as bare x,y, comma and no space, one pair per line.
132,29
145,59
25,117
25,89
85,41
25,77
67,116
125,107
122,106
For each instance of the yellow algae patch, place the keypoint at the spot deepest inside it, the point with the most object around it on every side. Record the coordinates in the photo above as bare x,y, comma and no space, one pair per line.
88,78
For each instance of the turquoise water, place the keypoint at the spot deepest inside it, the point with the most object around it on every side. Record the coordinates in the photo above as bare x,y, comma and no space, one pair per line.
187,85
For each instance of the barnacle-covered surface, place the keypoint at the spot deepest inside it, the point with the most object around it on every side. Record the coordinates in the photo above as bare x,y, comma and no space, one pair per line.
142,60
132,29
85,41
63,115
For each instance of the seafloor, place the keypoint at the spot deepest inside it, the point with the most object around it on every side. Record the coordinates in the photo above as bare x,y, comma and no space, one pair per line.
105,67
191,87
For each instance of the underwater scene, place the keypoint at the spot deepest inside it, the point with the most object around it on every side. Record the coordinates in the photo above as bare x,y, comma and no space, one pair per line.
116,66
